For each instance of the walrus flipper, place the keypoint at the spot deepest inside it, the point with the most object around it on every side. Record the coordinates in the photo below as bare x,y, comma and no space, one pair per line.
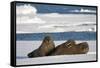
33,54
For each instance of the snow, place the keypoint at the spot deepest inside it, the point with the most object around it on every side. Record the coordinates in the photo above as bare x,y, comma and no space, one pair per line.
25,47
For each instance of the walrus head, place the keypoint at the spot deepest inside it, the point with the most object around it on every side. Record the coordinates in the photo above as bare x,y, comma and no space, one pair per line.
47,39
82,48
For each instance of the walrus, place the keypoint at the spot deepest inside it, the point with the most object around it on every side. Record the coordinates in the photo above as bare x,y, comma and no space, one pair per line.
63,48
46,47
70,47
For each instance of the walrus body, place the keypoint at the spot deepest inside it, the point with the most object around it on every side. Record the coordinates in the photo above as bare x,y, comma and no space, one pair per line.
70,47
46,47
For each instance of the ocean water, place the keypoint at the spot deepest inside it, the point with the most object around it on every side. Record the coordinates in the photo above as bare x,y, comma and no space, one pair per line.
57,36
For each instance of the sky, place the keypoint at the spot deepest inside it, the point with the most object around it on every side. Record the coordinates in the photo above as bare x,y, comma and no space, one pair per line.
53,18
46,8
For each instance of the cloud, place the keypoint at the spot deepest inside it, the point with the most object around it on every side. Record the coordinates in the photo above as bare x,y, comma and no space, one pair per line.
87,10
59,30
28,20
26,9
54,15
84,10
47,26
27,14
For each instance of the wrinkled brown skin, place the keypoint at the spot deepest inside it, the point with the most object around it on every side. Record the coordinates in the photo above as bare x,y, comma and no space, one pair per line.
46,47
70,48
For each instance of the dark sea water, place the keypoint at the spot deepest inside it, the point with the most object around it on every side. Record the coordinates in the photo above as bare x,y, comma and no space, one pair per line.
57,36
